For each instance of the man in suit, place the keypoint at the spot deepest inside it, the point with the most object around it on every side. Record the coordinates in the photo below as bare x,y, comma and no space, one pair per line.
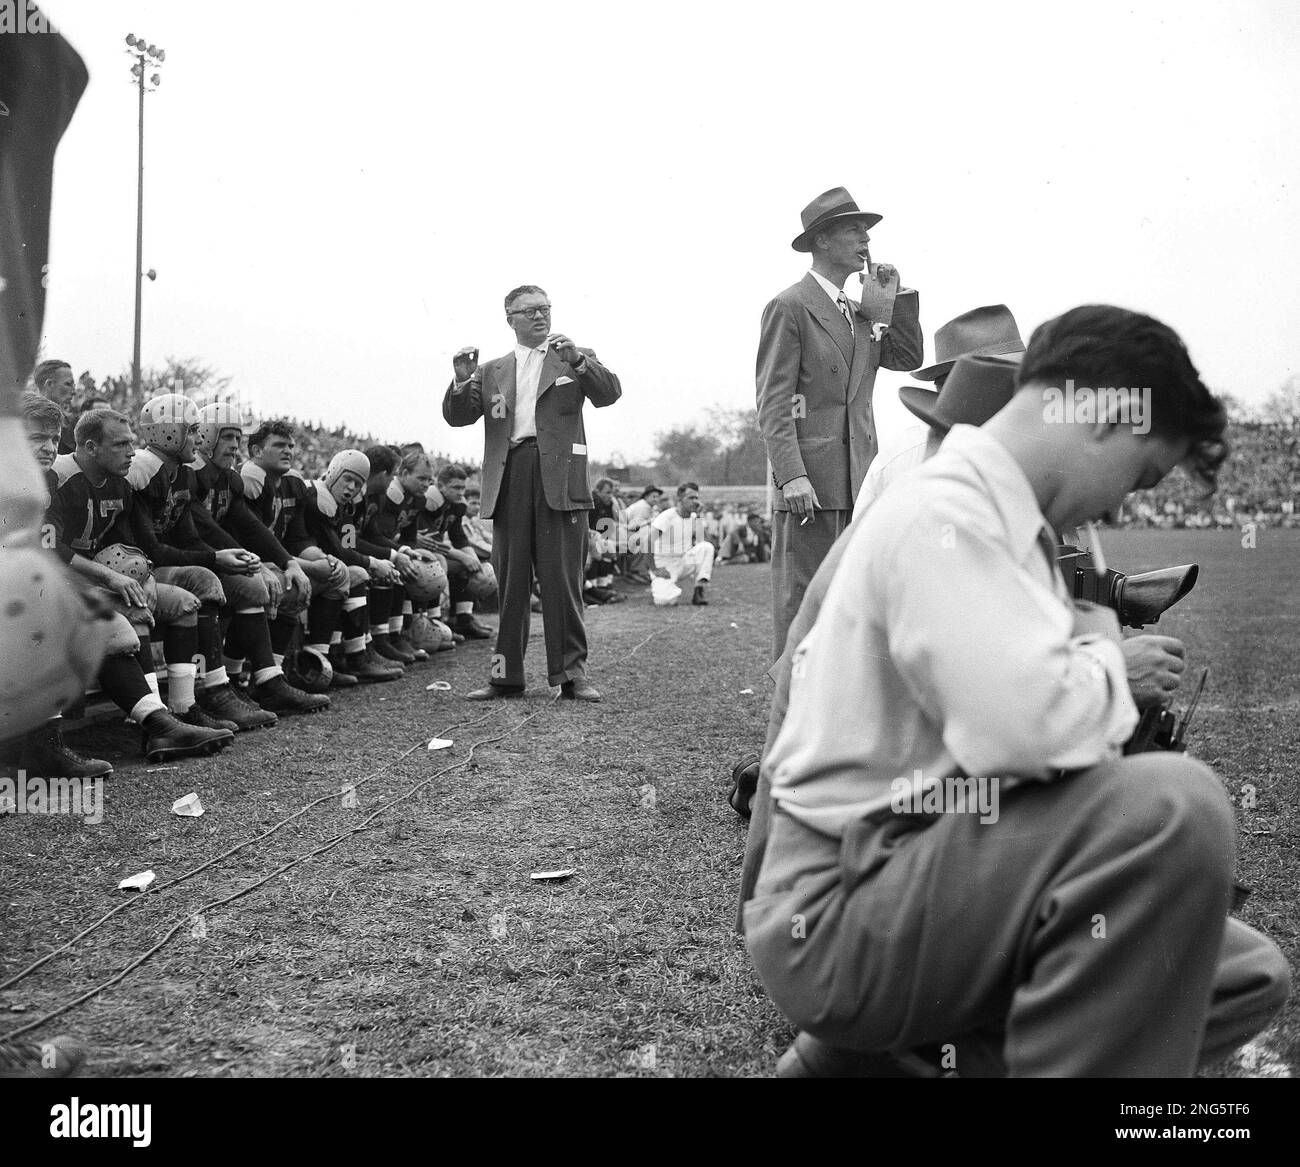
534,486
817,361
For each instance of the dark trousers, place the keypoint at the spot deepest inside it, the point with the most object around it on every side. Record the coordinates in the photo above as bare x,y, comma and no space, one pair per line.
528,536
797,553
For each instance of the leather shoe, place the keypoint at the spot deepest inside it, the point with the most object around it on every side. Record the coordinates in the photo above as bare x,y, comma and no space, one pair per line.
466,625
492,693
579,691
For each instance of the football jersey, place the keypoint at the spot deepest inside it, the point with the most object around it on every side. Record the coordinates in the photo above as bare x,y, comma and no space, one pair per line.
277,501
221,494
391,514
82,518
162,520
335,528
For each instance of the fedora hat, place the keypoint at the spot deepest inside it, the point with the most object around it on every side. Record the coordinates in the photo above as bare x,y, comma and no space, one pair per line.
975,390
981,332
826,208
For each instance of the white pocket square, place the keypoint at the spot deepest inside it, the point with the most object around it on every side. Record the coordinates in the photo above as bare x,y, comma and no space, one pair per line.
564,380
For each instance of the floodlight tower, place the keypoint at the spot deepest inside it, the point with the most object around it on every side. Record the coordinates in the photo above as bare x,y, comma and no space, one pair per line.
147,59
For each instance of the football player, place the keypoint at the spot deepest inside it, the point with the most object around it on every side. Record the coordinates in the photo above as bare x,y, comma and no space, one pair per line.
90,527
334,513
248,634
166,486
440,528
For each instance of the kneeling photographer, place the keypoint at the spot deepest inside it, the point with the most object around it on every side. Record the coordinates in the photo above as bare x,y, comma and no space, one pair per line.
1077,925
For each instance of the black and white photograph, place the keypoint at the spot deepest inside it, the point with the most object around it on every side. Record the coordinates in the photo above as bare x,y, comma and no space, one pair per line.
694,541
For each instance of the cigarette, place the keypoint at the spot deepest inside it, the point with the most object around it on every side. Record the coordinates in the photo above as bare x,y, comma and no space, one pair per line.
1094,544
804,520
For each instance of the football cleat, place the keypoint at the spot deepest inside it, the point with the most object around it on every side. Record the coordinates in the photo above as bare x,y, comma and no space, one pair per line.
384,647
199,717
221,703
44,755
279,696
166,737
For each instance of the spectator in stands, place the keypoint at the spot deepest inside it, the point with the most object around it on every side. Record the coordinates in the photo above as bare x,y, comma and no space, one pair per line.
680,548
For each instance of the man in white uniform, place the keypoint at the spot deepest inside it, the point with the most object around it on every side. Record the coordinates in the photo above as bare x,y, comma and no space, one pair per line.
680,546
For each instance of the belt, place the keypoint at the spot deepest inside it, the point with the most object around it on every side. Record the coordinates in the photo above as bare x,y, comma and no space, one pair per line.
523,442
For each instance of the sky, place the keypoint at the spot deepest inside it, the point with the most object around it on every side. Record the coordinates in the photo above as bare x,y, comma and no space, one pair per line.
338,195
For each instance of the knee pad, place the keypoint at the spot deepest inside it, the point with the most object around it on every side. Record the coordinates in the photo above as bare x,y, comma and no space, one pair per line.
174,604
245,591
123,639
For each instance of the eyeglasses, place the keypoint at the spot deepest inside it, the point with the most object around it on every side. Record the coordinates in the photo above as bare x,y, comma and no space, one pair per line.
531,313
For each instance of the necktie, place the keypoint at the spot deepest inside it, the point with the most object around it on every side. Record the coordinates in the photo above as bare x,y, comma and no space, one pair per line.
846,311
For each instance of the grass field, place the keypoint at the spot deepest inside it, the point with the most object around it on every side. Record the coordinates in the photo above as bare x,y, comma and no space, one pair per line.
418,944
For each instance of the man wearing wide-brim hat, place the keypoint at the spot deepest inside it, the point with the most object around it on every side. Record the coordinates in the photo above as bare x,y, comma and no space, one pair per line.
818,353
1075,923
975,391
988,331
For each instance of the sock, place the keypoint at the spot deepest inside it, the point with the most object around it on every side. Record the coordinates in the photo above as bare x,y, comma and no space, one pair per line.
465,607
354,624
145,657
261,676
209,632
381,607
282,634
124,683
180,643
323,619
180,686
252,633
151,703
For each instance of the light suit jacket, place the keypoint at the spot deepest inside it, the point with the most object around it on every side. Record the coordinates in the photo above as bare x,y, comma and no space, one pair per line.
814,387
561,438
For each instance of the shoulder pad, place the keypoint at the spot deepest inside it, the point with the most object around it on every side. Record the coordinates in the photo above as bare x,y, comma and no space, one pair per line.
294,473
326,502
254,479
144,466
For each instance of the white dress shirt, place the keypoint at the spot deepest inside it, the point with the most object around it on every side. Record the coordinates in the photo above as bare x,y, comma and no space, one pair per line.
945,642
528,372
835,293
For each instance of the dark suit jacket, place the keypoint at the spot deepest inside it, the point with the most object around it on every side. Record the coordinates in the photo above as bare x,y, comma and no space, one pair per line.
814,388
561,438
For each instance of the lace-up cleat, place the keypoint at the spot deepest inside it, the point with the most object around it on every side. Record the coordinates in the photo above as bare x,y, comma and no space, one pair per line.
279,696
199,717
384,647
165,737
45,755
222,703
